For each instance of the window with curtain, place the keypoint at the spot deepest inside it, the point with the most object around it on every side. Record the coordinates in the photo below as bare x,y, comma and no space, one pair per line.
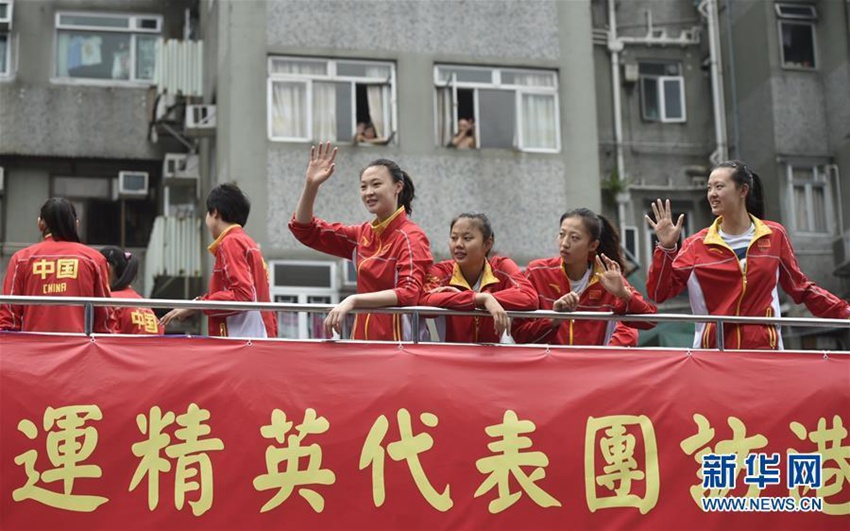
478,107
107,46
312,99
797,35
662,92
813,208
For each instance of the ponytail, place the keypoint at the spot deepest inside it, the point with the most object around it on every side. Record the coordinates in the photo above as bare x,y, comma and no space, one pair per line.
408,191
742,175
602,231
60,220
124,265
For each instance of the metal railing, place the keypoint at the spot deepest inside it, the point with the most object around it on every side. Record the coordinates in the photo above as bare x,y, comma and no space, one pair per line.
417,312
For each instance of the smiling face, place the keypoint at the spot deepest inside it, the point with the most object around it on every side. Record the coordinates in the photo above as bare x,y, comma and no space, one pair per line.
379,192
724,195
575,242
467,245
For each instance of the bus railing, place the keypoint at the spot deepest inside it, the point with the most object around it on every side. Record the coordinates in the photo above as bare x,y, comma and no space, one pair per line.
417,313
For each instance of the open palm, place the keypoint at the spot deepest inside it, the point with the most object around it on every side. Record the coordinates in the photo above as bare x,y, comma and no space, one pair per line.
665,230
321,165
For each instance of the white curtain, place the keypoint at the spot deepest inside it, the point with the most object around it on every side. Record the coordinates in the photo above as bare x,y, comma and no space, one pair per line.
539,118
376,95
289,109
538,121
445,121
324,112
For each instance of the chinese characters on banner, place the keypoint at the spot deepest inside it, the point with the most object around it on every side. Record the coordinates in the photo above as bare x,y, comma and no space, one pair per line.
326,433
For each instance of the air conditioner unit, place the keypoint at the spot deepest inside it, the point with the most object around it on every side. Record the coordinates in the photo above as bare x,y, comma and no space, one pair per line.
133,184
6,8
183,166
200,119
2,180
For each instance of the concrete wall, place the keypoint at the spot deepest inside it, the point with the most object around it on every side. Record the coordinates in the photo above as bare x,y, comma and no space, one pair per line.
524,193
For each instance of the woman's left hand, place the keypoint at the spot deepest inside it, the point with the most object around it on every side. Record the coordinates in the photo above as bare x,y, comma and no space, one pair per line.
611,277
336,317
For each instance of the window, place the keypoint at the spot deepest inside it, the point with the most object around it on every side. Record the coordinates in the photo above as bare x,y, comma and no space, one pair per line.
99,211
507,108
662,92
303,282
797,35
5,55
325,99
106,46
811,201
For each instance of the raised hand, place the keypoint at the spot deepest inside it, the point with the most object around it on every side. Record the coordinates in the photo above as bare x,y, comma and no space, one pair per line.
666,232
611,277
321,165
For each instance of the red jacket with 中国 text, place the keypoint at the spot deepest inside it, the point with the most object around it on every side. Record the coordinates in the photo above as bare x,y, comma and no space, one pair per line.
131,320
550,279
501,277
239,275
719,284
393,254
56,269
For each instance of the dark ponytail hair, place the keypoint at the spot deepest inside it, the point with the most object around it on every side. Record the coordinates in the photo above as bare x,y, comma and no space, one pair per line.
601,230
742,175
483,223
125,266
60,220
408,192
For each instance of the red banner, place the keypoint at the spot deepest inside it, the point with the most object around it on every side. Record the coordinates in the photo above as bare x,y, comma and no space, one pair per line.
188,433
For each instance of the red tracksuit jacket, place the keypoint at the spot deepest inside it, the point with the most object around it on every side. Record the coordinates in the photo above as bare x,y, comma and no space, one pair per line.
550,279
135,320
394,254
718,285
239,274
501,277
60,269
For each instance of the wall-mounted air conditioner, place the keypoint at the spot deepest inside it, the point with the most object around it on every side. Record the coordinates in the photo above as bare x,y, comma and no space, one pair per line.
200,119
183,166
133,184
6,8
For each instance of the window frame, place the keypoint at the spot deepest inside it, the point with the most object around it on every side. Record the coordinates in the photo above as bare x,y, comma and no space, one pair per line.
822,178
133,29
497,84
390,85
303,294
797,19
659,81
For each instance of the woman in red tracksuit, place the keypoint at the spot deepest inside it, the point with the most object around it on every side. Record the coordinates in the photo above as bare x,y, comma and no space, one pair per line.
735,266
391,252
123,267
585,277
473,279
58,266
